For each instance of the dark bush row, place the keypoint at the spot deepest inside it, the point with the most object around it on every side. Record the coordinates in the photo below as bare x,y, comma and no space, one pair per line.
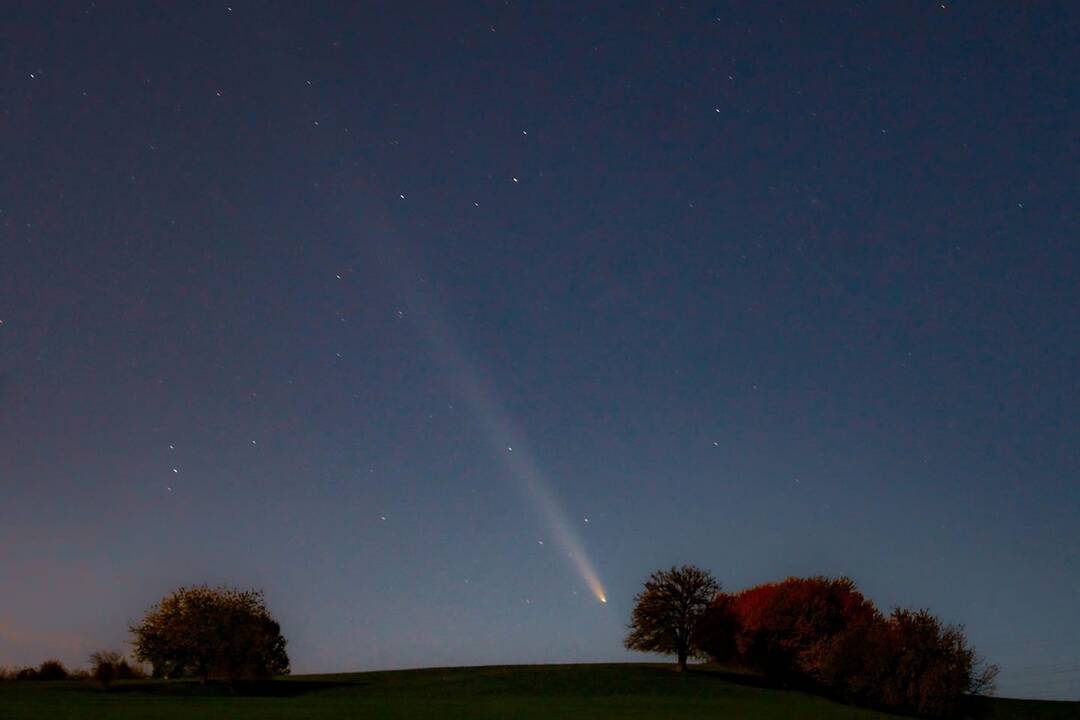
48,670
105,666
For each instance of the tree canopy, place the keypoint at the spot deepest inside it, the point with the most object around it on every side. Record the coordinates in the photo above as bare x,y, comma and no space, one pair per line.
668,611
211,633
822,634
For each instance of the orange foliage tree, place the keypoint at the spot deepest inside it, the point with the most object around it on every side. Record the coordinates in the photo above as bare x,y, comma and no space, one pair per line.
823,634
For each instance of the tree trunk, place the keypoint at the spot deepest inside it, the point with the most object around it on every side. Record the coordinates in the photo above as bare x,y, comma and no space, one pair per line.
682,660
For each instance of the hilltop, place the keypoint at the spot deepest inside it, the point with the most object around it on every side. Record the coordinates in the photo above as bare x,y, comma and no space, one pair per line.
595,692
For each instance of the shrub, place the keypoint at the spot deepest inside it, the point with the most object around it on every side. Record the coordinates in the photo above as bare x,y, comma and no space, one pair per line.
52,669
924,666
109,665
823,634
104,665
788,630
26,673
719,629
125,671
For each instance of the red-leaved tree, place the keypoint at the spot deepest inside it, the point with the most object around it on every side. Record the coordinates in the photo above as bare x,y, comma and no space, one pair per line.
823,634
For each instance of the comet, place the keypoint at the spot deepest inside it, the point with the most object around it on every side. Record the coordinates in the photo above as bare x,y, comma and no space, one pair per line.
523,466
502,433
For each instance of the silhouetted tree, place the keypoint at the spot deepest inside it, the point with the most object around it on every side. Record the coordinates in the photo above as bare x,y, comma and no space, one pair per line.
103,666
211,633
26,673
718,629
52,670
109,665
667,612
926,667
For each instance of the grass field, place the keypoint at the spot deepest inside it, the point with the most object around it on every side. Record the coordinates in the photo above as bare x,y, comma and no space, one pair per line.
595,692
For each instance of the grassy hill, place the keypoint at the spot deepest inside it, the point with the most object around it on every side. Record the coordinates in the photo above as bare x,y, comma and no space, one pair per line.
595,692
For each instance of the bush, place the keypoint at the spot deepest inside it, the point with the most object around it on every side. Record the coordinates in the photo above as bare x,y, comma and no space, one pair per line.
124,671
103,666
788,629
824,635
26,673
109,665
52,670
719,629
923,666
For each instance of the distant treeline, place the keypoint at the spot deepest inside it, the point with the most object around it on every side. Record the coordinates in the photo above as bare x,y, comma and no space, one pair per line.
105,667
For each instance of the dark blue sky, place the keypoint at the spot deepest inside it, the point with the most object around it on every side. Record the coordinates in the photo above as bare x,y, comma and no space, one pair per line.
770,289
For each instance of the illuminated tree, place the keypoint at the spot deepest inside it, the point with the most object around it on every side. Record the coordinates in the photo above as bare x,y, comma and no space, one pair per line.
668,611
822,634
211,633
788,629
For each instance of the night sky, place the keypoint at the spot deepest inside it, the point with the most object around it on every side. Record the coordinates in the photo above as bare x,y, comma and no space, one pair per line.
437,321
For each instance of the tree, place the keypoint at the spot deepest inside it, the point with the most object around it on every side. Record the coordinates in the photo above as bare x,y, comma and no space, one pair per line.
109,665
211,633
668,611
103,666
26,673
52,669
789,629
928,666
823,634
